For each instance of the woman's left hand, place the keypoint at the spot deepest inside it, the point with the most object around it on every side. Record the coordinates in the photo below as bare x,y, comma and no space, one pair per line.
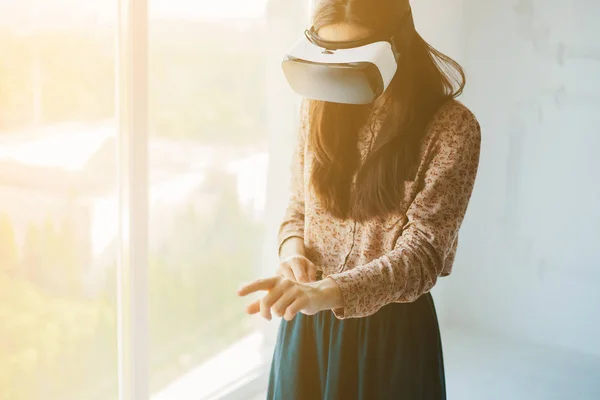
287,298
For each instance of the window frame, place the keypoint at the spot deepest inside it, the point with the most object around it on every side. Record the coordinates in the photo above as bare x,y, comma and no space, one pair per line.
132,179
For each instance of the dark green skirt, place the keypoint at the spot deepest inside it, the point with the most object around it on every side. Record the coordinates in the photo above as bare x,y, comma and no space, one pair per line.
393,354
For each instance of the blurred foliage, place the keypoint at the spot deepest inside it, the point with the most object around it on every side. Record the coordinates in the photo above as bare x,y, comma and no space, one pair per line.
55,345
207,81
50,259
72,72
9,252
49,344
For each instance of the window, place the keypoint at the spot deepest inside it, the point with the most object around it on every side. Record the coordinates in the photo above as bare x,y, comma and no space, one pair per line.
58,209
220,126
215,98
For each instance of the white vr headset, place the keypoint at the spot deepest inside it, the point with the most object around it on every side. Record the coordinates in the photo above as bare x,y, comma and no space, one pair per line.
355,72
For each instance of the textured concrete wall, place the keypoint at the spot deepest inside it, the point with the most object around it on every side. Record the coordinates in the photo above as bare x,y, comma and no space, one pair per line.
529,260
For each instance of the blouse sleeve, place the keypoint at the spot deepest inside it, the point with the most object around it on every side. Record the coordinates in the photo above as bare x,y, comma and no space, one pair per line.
434,218
293,220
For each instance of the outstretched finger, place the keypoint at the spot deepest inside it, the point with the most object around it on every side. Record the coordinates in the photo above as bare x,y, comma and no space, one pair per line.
283,302
260,284
293,309
267,302
254,307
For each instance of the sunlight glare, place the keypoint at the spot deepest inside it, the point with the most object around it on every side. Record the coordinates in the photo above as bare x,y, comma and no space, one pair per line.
206,9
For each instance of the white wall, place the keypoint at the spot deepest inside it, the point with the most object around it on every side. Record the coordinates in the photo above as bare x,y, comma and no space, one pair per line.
529,258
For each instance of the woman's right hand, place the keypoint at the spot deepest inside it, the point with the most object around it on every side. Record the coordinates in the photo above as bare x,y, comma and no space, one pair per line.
298,268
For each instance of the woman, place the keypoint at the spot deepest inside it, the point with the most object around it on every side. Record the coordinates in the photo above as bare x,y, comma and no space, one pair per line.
378,195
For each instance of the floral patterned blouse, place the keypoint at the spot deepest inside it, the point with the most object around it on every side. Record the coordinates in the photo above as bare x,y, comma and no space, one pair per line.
397,258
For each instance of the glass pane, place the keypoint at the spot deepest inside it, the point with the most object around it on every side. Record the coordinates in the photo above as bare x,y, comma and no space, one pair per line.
58,216
209,161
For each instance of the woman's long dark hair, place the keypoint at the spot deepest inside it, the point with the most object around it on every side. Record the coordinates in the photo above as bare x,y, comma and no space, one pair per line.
425,79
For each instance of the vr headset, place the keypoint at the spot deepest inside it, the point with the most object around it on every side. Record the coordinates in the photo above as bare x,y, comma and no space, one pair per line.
354,72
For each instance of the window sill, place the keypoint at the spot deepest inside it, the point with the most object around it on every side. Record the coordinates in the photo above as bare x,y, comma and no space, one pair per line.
240,372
